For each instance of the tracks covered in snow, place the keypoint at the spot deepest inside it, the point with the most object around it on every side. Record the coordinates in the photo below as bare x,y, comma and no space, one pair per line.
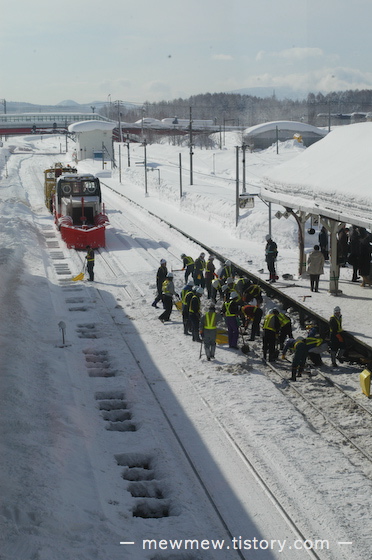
135,439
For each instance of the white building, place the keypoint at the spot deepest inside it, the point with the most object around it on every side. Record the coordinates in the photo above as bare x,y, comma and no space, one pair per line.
93,139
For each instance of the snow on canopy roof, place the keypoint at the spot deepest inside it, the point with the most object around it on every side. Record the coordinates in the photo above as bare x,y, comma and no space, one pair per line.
88,126
284,125
331,178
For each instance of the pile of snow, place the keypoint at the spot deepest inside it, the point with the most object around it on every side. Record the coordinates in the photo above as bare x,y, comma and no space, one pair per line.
335,172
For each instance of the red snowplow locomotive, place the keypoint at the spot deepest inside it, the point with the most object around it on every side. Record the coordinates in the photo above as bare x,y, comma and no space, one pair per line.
78,210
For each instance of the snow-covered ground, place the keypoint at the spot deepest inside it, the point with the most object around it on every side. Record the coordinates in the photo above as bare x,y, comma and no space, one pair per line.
65,492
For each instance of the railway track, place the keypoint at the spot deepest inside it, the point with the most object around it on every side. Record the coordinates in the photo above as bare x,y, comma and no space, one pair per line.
235,452
357,351
336,409
312,395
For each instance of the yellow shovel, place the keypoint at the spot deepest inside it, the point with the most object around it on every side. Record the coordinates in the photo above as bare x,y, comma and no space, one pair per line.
79,276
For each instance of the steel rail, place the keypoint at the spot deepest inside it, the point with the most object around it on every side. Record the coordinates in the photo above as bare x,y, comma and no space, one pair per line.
321,412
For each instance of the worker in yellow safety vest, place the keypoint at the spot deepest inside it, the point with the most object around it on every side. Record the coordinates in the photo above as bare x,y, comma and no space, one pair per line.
194,312
231,310
168,292
187,265
186,295
208,330
285,328
271,328
90,262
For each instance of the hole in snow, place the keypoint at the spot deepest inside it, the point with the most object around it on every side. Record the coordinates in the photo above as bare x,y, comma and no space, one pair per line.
106,395
116,415
151,510
113,404
145,490
135,474
121,426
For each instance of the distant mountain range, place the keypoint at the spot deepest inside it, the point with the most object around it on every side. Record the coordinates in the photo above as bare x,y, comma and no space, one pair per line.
69,105
63,106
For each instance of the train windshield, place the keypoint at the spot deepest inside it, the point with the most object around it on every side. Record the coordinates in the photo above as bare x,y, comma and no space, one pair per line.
82,187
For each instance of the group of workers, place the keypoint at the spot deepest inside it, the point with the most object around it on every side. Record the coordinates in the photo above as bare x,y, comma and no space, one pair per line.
314,345
240,301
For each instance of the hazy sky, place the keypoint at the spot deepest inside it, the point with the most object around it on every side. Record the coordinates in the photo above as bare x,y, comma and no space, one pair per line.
152,50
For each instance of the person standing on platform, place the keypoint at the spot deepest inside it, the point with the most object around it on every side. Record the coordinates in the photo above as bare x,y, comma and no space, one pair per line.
323,242
315,267
354,252
336,339
271,253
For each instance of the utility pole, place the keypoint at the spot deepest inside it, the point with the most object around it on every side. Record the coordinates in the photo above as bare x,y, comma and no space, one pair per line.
180,167
119,163
120,131
237,188
145,164
191,152
128,150
243,150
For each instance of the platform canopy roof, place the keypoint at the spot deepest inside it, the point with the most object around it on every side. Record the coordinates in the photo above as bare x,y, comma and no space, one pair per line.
89,126
332,178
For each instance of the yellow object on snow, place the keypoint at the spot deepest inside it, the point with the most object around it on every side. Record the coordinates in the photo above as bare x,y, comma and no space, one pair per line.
365,382
222,336
178,304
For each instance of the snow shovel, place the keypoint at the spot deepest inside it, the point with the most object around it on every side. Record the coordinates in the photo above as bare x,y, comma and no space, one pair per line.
245,348
79,276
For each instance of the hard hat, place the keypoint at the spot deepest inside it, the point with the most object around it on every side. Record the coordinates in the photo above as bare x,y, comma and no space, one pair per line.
170,275
337,309
211,257
199,290
183,255
225,287
227,263
267,237
202,255
234,295
216,284
230,280
163,261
